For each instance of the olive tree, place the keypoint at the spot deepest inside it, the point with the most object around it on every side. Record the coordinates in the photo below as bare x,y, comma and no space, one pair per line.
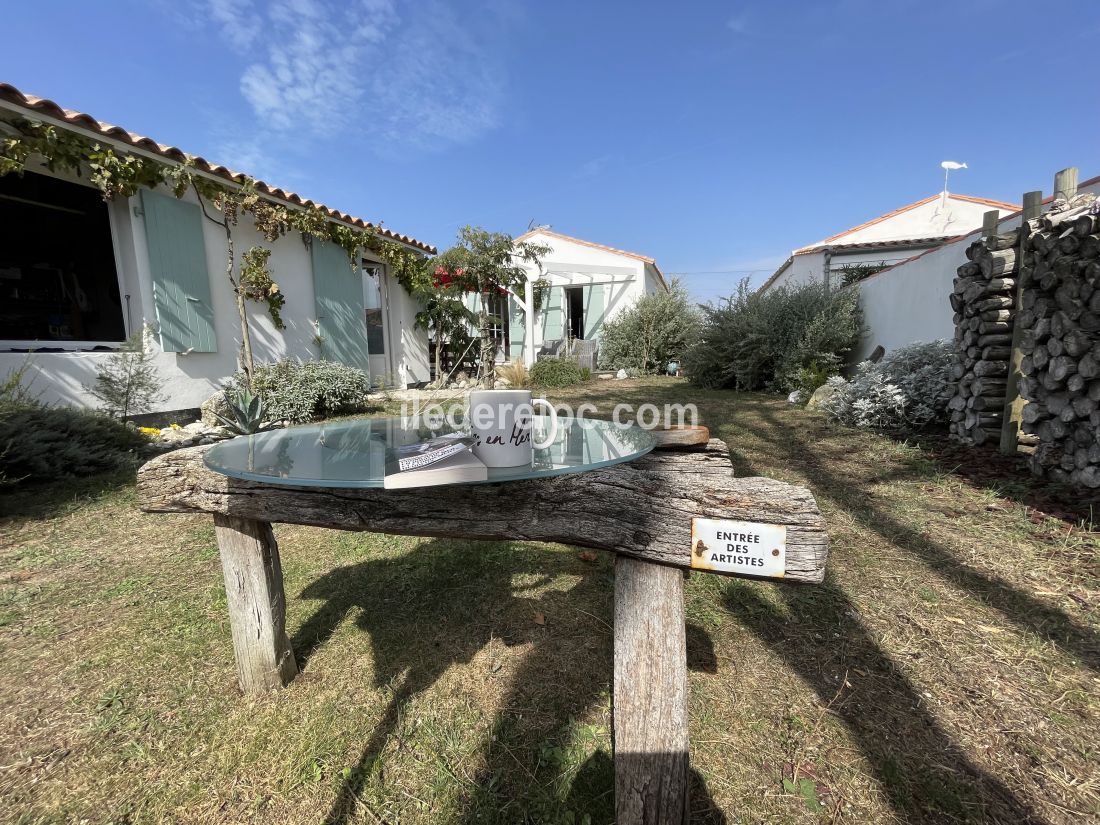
486,262
655,330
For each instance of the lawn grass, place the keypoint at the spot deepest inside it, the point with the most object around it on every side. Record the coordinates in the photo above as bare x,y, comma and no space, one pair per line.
948,670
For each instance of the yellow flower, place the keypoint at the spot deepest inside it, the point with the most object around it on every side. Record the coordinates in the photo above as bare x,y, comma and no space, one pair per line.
149,430
175,426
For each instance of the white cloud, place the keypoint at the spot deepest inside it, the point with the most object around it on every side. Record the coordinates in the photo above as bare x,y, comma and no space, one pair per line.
738,23
422,77
237,20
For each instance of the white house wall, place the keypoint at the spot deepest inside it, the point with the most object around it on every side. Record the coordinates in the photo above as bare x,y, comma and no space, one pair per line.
572,264
909,303
61,378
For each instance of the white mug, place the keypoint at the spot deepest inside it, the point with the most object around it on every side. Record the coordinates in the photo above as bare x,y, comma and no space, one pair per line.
500,420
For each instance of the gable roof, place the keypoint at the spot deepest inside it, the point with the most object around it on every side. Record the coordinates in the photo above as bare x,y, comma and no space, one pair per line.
84,122
831,243
965,236
645,258
814,247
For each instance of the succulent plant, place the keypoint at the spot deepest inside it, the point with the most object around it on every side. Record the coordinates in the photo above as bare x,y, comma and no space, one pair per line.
246,412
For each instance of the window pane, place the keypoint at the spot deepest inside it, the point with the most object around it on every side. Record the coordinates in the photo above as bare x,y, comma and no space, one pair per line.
376,341
57,267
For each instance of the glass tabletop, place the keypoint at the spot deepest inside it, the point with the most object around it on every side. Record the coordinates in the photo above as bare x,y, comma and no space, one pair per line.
353,453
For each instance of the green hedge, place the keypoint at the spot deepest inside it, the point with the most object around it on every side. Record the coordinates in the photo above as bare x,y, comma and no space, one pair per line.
557,372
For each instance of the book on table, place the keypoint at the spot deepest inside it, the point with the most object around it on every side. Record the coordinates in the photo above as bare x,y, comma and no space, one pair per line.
445,459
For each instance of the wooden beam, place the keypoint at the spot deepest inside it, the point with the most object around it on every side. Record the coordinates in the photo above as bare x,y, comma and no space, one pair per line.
1065,183
990,220
1014,404
643,509
257,604
650,695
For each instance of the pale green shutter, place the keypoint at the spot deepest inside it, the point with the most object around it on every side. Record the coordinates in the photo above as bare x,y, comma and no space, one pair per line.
472,300
552,315
593,310
517,329
341,309
181,282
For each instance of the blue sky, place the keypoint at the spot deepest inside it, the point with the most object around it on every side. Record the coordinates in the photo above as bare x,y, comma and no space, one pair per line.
715,137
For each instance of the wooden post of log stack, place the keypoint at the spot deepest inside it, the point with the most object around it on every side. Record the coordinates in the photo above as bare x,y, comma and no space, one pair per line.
1014,404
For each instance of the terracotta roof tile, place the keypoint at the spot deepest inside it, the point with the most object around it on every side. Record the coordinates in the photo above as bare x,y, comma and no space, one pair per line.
45,107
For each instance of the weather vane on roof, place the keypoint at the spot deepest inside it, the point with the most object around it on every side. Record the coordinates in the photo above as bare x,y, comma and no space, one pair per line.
948,166
942,210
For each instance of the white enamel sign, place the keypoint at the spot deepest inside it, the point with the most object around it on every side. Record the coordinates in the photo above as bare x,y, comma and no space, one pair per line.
739,547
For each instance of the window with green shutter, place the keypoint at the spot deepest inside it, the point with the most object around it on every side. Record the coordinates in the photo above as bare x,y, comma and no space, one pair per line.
594,304
181,281
341,306
553,316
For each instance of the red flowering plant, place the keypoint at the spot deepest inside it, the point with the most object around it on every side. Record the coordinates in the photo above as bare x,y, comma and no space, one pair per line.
483,262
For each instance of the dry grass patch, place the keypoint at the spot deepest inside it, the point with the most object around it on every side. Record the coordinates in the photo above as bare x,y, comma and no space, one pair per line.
947,671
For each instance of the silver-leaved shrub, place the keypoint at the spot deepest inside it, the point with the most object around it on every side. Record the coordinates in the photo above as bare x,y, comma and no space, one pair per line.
908,389
308,391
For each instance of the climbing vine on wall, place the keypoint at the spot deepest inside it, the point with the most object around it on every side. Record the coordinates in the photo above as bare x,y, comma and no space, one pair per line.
122,174
258,285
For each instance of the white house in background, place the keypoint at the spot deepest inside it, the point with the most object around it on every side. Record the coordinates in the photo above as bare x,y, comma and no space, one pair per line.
589,283
887,239
78,275
908,302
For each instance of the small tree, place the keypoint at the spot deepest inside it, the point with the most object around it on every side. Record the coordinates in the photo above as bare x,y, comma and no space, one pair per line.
487,262
128,383
444,315
655,330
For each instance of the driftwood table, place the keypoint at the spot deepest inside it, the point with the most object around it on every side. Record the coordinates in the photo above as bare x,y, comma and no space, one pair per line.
663,514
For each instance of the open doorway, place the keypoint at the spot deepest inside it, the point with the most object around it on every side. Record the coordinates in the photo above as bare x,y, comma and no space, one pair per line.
574,302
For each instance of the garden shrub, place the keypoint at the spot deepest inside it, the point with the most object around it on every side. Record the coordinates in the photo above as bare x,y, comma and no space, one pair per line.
556,372
515,373
41,444
811,377
908,389
308,391
656,329
757,341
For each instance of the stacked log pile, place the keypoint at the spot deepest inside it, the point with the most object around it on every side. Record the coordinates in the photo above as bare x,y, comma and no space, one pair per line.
1060,340
983,300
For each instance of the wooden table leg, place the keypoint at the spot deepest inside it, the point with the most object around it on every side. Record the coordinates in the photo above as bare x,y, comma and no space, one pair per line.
650,695
257,604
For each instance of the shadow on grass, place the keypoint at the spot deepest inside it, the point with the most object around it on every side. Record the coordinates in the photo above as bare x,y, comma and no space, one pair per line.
849,492
925,775
56,497
442,605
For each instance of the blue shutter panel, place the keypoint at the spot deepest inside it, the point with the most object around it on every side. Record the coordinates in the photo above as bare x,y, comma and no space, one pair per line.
341,309
181,282
594,302
472,301
553,320
517,329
